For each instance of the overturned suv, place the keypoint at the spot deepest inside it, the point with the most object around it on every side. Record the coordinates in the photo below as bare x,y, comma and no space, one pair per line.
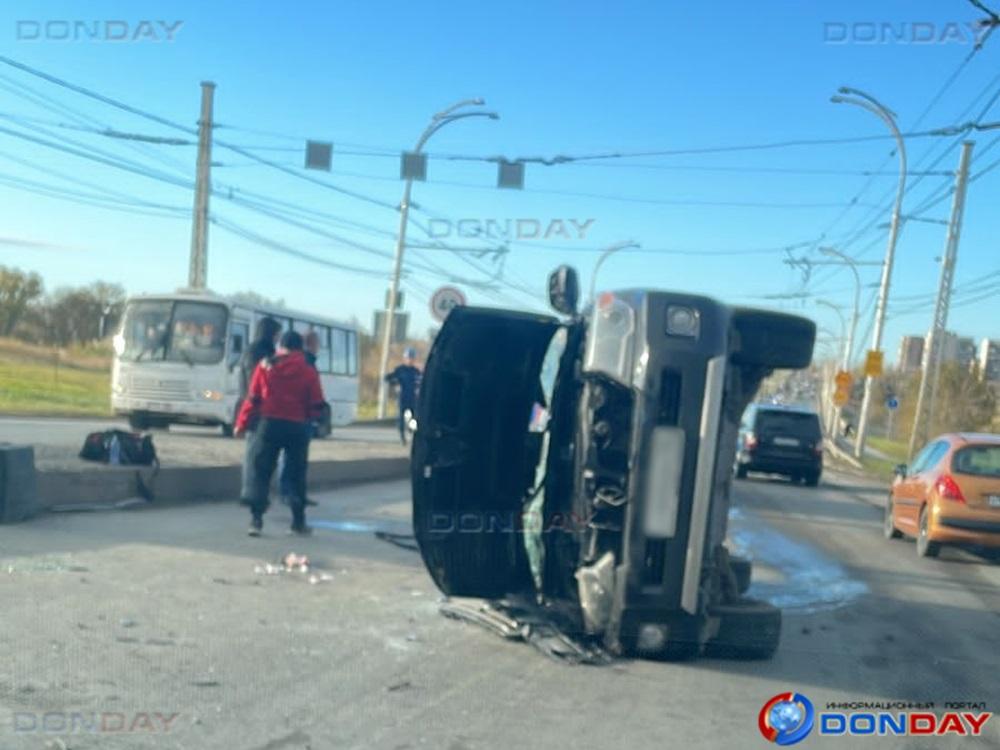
585,463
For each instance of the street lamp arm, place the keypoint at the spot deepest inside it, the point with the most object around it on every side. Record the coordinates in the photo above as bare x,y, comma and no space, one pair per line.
438,123
474,102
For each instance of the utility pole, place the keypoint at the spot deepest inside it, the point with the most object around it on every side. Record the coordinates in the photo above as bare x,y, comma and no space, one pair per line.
198,270
931,370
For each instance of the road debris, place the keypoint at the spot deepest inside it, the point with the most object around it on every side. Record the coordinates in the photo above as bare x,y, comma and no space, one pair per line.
405,541
531,623
291,563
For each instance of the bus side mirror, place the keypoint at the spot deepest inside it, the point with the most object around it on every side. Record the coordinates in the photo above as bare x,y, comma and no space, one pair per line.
234,359
564,290
900,471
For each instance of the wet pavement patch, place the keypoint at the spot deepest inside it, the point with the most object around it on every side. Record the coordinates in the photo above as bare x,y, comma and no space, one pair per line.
793,575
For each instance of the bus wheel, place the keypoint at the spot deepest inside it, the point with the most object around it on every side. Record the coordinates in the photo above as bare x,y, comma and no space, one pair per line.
138,422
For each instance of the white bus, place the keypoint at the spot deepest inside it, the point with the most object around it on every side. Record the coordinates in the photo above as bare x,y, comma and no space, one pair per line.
177,359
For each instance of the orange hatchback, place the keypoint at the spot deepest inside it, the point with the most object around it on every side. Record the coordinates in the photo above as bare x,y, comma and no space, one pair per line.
950,494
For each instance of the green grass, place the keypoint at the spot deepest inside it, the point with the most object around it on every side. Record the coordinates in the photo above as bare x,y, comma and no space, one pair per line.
884,469
37,380
895,449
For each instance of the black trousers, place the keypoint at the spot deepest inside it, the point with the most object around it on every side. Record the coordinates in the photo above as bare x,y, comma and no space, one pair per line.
272,437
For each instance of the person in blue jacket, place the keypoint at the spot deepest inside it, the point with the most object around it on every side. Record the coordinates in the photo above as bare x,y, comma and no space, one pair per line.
406,378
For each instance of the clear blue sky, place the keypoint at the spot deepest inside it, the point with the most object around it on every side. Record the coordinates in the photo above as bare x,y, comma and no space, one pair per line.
566,78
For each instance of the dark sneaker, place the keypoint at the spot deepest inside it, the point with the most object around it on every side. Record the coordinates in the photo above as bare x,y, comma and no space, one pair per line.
311,503
301,529
255,527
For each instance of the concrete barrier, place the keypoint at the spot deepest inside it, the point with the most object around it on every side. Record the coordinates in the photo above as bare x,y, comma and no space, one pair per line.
18,488
80,490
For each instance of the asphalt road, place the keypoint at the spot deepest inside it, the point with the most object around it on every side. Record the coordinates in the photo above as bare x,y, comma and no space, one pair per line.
57,442
154,613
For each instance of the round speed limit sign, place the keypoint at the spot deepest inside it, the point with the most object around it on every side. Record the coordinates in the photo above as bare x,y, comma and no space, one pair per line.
443,300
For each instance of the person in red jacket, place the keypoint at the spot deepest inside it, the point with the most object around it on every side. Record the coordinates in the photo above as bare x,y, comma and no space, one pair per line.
284,398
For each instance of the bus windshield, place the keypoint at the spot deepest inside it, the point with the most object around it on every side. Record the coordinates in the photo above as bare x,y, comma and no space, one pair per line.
174,331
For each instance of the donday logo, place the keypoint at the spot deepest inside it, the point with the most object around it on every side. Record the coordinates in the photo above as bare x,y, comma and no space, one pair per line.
786,719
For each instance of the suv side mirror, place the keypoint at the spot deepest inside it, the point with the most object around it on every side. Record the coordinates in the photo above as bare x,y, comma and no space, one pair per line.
900,471
564,290
772,340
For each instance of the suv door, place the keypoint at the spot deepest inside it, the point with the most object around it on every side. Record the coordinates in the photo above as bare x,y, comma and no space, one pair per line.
473,456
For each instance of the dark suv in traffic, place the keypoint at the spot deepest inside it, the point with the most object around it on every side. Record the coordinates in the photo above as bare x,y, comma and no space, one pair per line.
777,439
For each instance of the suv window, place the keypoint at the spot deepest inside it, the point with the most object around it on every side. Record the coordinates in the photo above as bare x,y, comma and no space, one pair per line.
800,424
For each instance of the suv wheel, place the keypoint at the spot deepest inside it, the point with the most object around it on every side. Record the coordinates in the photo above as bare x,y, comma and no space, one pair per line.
812,479
748,629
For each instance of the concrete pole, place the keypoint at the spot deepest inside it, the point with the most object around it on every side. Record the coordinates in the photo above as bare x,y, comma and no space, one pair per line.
198,269
923,417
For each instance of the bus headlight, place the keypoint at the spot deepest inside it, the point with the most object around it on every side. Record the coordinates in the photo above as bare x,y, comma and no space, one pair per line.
118,342
212,395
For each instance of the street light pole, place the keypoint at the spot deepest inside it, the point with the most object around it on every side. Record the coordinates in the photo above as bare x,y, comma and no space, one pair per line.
605,254
869,103
437,122
849,261
833,411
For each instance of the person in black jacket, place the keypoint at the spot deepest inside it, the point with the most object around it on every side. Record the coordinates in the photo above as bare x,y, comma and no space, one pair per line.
263,346
406,377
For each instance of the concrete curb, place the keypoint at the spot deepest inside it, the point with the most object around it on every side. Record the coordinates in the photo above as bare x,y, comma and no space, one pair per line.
69,490
841,455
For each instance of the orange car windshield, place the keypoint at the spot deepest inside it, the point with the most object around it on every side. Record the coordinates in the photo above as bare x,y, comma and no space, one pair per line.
978,460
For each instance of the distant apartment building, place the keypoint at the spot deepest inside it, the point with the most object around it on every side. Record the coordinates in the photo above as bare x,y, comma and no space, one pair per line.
989,360
959,349
911,353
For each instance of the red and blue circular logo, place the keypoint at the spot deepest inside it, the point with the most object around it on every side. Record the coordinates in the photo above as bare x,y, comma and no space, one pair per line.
786,719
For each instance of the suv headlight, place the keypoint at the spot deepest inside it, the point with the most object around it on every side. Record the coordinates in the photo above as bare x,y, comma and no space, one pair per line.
212,395
683,321
609,340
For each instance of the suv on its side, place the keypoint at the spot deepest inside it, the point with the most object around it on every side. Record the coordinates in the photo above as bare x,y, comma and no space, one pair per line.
780,440
586,462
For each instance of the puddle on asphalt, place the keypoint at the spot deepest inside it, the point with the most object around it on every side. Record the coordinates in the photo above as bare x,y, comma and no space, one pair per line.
363,527
788,573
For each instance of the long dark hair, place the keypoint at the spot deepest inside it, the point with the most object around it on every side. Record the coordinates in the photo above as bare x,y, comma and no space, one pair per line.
267,329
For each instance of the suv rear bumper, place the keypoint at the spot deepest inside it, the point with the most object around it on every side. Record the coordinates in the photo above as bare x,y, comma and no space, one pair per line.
780,464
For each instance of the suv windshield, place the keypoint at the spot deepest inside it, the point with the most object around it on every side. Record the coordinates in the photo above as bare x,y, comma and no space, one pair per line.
788,423
191,332
978,460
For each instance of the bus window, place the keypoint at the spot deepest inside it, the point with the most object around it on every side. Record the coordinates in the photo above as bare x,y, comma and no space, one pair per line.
300,327
239,340
323,358
352,353
197,334
339,349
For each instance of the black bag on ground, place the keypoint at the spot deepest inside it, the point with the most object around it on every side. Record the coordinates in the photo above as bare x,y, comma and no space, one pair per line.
132,448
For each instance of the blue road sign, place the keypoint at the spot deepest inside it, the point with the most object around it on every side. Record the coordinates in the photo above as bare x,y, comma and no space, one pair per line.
892,403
